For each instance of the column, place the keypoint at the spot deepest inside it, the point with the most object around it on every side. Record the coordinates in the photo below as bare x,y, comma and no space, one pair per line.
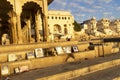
18,10
19,31
37,26
45,21
29,30
41,29
14,32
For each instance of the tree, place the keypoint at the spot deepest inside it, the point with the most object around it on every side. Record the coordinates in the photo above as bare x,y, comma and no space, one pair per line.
77,26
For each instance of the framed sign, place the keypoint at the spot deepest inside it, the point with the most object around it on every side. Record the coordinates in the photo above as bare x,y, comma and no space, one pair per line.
39,52
12,57
59,50
67,49
30,55
4,69
75,49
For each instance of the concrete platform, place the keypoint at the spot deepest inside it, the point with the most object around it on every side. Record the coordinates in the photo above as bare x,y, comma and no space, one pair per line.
69,70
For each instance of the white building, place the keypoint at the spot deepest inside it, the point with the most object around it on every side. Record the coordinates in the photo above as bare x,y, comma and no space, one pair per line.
61,23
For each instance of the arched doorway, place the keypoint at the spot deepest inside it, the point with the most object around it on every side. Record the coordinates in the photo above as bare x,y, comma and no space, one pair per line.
57,28
31,20
57,31
5,25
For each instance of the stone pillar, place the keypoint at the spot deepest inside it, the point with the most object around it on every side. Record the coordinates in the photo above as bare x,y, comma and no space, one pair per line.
12,26
41,29
14,31
45,21
37,26
19,29
29,30
18,9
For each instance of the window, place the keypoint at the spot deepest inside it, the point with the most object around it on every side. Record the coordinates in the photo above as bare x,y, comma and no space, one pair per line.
65,30
65,18
59,17
62,17
68,17
55,17
52,17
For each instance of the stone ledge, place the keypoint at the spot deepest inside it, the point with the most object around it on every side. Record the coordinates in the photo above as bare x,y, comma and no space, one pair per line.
26,47
82,71
48,61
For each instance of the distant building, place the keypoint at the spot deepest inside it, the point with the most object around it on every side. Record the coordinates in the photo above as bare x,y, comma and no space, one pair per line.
102,28
61,23
91,26
115,26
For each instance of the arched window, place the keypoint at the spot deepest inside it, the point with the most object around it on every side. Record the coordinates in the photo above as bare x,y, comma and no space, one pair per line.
59,17
55,17
65,18
69,18
52,17
62,17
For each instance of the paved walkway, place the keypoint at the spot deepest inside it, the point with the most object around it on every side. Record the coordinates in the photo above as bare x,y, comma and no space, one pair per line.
39,73
107,74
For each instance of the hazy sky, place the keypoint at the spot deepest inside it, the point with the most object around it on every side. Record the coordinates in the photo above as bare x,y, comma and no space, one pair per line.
85,9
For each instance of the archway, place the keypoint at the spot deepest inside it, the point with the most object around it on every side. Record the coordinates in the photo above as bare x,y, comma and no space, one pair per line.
57,28
57,31
5,25
31,21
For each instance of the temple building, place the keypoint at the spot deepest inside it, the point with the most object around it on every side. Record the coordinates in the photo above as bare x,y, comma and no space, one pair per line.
115,26
104,27
21,21
91,26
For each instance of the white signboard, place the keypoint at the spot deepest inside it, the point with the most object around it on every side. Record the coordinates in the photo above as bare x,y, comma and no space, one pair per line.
12,57
59,50
39,52
4,69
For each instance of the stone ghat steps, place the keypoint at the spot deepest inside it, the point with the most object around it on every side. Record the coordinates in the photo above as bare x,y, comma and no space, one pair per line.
32,46
27,47
70,70
112,73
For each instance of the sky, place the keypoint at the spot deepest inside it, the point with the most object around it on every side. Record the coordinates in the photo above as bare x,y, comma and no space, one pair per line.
86,9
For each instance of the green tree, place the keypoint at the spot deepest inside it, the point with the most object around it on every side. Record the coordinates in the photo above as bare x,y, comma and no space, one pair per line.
77,26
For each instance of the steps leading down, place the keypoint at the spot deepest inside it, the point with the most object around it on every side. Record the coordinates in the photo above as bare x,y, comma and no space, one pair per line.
70,70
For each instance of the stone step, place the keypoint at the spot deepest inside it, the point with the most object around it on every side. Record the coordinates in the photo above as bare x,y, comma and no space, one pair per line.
69,70
112,73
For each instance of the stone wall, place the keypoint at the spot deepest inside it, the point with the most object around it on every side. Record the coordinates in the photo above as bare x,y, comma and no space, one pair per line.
102,50
84,53
48,61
